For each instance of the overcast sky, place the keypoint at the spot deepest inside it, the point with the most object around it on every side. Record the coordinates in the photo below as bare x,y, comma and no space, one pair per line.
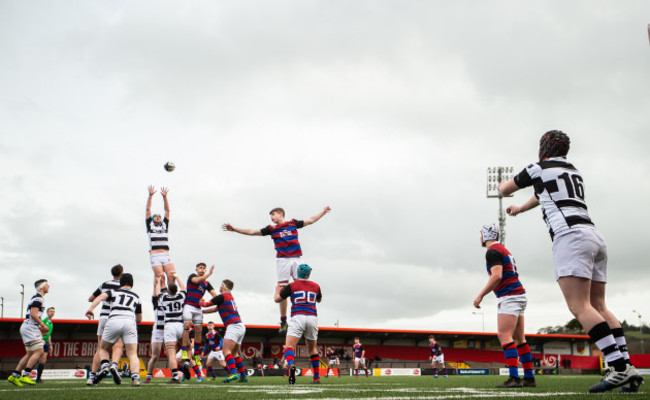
390,112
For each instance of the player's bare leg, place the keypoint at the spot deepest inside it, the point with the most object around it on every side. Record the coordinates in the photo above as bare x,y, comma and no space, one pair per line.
170,348
283,307
577,294
155,356
134,361
117,351
105,349
187,325
158,273
169,270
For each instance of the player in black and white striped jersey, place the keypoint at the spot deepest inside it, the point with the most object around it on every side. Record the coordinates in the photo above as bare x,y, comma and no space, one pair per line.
157,230
157,334
116,272
579,252
125,313
171,303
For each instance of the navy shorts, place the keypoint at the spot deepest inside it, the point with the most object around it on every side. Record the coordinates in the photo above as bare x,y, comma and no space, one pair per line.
46,347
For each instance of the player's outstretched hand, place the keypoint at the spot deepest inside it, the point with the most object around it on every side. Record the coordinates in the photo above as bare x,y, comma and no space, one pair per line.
164,191
513,210
211,269
477,301
227,227
152,190
90,315
327,209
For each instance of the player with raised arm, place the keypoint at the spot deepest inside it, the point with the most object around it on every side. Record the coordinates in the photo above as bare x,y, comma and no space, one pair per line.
171,304
197,285
158,232
359,357
157,333
333,359
31,331
213,350
47,337
579,253
118,347
288,252
304,320
235,330
436,357
504,282
125,313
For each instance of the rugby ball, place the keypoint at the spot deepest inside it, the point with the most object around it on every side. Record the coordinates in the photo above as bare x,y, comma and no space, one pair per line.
169,167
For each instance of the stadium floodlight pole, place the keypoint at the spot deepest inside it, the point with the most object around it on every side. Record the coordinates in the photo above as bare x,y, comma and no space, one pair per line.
482,318
494,176
2,304
22,302
638,314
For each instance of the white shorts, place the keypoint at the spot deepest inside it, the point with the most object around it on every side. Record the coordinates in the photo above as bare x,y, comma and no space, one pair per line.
173,332
235,332
512,305
303,325
439,359
360,360
157,335
334,361
581,252
191,313
287,268
31,334
159,259
179,354
217,355
101,323
124,328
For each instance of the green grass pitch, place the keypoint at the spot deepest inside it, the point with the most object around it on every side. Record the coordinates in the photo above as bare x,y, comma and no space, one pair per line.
393,388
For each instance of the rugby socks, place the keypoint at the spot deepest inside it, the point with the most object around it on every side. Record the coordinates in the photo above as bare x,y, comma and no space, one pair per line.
510,351
197,349
283,320
15,374
230,362
39,371
289,356
175,374
526,360
240,365
197,370
621,343
211,372
315,365
27,371
435,371
444,371
602,336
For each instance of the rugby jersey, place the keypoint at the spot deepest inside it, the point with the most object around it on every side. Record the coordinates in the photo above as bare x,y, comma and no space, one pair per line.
158,310
436,349
227,309
103,288
304,295
213,341
358,350
331,354
37,301
285,238
560,190
124,303
509,285
172,306
195,291
158,239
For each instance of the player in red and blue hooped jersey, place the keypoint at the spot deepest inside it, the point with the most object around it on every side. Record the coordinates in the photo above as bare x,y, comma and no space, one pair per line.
212,350
333,360
359,357
235,330
436,357
197,285
288,251
304,320
512,301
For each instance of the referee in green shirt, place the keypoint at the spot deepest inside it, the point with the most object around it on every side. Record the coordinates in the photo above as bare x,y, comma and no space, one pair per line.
48,344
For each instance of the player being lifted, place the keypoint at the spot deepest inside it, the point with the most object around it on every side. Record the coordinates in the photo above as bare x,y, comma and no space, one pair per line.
437,357
157,230
304,320
504,281
118,346
333,360
171,303
213,350
359,357
197,285
235,330
31,331
288,252
125,313
47,348
579,252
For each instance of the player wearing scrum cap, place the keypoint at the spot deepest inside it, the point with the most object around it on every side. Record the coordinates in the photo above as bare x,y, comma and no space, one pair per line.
304,320
157,230
504,282
31,331
288,252
579,252
125,313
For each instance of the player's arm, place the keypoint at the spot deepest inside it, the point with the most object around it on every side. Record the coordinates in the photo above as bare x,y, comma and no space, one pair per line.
282,294
152,191
179,282
316,217
216,301
33,312
156,288
319,296
508,187
94,304
95,294
493,281
250,232
198,279
210,310
163,192
531,203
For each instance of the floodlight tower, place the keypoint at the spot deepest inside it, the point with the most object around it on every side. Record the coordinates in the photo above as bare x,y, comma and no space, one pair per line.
494,176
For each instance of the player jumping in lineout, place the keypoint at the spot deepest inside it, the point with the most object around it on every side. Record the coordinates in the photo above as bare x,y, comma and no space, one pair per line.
157,230
437,357
512,300
285,237
579,253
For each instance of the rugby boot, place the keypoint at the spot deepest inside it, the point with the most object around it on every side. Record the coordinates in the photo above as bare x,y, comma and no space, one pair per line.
613,379
512,382
15,381
26,379
231,378
292,375
316,381
135,381
116,374
242,378
283,327
147,379
528,382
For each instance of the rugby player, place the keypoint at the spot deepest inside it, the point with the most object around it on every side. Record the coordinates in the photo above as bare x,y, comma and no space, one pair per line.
157,333
359,357
288,252
47,337
304,320
213,350
333,360
579,252
437,357
31,331
504,281
197,285
157,230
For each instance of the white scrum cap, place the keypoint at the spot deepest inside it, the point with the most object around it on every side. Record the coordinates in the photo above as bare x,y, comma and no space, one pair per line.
490,232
